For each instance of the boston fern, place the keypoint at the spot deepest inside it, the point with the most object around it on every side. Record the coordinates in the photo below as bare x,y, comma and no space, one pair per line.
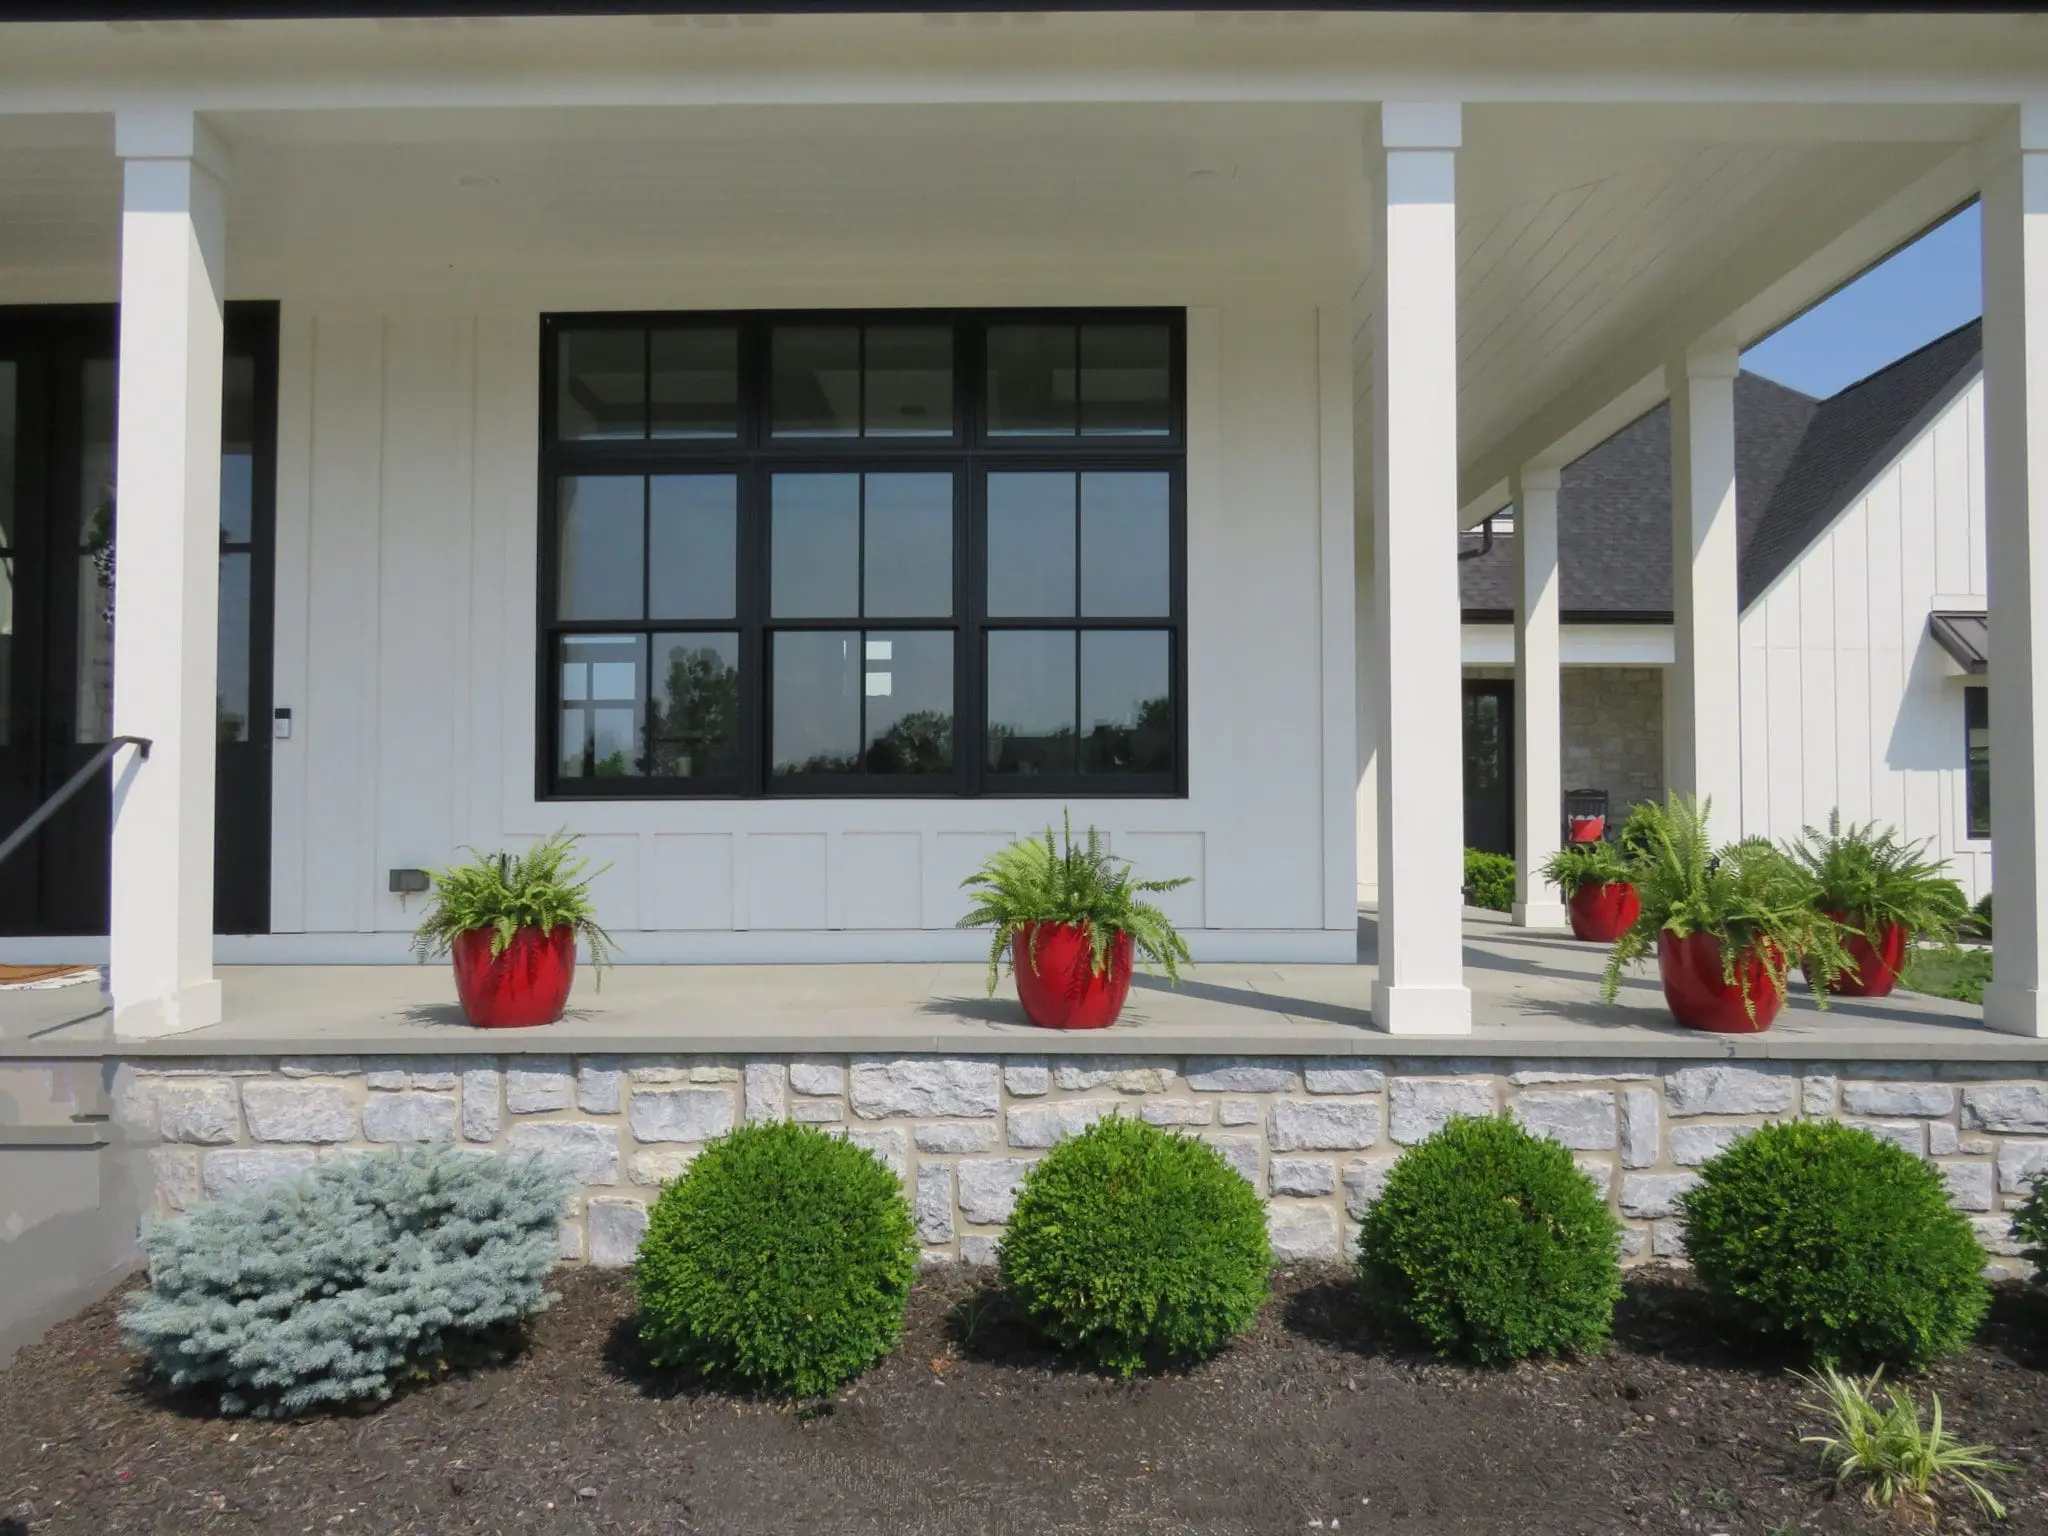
543,888
1876,881
1577,865
1748,895
1034,881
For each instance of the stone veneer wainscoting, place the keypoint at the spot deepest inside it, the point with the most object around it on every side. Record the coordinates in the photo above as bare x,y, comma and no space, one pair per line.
1314,1135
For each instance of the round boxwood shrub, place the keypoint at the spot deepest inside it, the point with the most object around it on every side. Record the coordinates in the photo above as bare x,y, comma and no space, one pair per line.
1489,1244
782,1256
1135,1247
1819,1238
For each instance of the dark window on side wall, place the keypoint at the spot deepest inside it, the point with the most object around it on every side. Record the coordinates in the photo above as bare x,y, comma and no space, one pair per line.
1977,759
907,553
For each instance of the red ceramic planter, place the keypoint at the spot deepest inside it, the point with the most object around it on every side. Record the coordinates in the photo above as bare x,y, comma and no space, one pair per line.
1056,978
1698,996
528,984
1603,913
1877,964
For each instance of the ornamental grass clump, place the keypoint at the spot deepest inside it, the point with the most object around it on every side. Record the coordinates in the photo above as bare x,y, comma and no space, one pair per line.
1819,1239
1900,1463
360,1275
1489,1244
1746,895
1033,881
1136,1248
782,1258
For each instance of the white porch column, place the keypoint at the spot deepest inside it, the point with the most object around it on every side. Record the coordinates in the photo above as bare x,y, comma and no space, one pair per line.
2016,494
1539,731
1421,985
166,582
1706,712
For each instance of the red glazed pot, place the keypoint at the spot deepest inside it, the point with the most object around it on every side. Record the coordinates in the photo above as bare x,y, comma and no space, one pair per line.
1877,965
527,984
1056,978
1697,996
1603,913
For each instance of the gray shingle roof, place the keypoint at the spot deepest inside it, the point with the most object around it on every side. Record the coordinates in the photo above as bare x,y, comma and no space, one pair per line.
1798,463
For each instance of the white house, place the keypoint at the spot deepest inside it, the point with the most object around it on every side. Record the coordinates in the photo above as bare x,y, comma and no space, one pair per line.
1862,591
800,451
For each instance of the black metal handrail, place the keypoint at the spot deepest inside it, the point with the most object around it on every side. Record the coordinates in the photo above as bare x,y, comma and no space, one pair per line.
70,787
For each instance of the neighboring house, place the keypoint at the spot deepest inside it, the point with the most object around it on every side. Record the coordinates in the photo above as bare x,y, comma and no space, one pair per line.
1862,589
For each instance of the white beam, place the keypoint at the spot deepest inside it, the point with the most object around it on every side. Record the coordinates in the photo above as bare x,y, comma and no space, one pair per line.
2016,495
1539,726
1706,757
166,586
1420,988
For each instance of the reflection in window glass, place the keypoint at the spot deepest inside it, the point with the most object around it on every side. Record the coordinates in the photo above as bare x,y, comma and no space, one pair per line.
815,381
907,686
237,448
692,546
602,704
599,555
1977,749
1031,381
1031,701
1126,702
695,383
93,699
1030,545
1126,373
814,722
601,385
907,546
9,395
1125,569
814,554
910,381
231,682
693,720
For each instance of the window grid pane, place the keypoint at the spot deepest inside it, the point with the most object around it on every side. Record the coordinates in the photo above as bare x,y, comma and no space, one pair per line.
840,579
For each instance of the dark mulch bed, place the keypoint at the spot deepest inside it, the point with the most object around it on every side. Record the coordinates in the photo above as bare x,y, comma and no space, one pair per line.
971,1427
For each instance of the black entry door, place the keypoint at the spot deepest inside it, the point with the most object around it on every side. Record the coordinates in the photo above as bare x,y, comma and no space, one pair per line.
57,575
1490,765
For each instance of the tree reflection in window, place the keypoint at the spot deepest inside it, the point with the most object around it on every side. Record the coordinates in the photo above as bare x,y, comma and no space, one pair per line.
693,720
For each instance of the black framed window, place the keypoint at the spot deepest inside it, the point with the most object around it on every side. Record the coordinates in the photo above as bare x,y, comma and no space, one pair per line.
931,552
1977,759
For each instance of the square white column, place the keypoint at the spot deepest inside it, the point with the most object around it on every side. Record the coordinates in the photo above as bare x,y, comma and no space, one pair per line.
1421,984
1539,729
1706,707
2016,495
166,571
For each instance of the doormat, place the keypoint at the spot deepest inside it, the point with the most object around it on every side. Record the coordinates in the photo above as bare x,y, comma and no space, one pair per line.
27,978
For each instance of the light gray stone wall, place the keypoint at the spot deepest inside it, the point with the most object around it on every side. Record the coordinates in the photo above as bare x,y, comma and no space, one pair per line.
1315,1136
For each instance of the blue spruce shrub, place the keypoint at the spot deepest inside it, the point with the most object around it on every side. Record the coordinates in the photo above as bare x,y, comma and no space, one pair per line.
335,1286
1134,1247
783,1256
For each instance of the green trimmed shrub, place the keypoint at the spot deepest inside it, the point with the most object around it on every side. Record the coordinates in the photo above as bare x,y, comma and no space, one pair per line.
360,1273
1135,1247
1488,1244
1490,880
2030,1226
1821,1239
782,1256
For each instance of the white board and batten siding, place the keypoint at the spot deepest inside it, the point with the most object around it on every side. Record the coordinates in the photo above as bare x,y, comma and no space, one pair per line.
1847,702
406,615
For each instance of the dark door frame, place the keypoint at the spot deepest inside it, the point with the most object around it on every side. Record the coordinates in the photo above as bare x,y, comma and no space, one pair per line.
1503,690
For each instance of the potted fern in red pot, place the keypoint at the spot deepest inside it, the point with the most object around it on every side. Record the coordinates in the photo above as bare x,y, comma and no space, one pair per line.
510,923
1884,894
1725,925
1072,923
1599,897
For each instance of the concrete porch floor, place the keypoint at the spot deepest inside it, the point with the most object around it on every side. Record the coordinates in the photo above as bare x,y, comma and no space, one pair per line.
1533,995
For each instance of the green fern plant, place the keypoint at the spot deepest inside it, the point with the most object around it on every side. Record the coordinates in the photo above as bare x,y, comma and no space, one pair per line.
1035,881
1878,881
543,888
1748,895
1577,865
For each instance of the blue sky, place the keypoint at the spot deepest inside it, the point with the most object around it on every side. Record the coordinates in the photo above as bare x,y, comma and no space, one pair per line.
1923,291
